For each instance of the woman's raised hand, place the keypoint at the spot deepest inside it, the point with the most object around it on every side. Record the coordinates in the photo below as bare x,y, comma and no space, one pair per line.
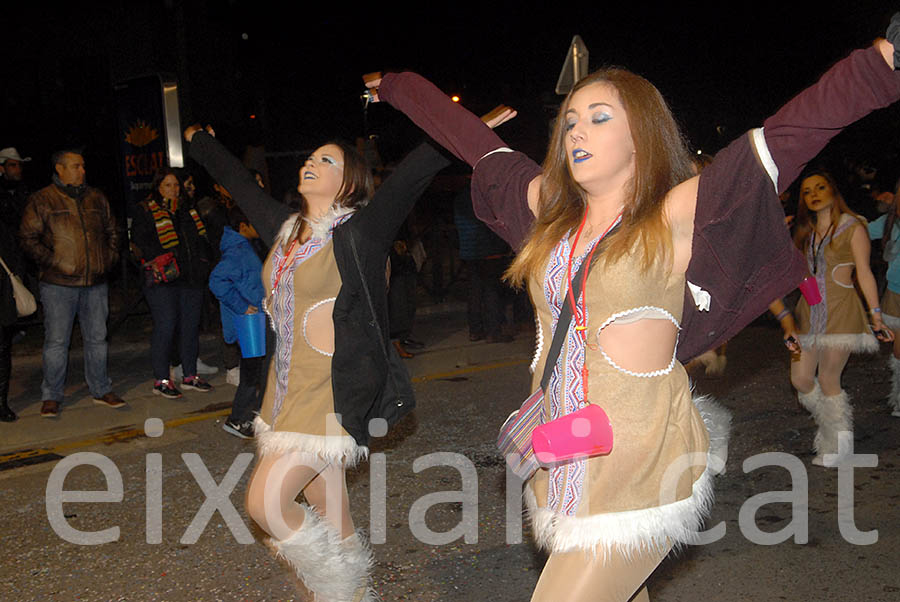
193,129
372,81
498,115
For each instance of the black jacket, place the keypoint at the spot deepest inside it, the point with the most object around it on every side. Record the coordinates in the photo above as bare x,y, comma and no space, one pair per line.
368,379
193,251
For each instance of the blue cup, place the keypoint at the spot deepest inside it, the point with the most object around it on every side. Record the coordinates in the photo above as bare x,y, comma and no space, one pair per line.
251,333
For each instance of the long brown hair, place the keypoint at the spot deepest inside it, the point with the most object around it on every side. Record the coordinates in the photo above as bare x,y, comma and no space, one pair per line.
806,220
357,185
661,162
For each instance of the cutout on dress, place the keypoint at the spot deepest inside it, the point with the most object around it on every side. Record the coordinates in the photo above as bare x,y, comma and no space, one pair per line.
834,274
642,341
318,327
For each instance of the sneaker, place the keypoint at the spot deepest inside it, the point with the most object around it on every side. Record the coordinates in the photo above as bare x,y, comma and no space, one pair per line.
233,376
244,430
196,383
165,388
204,369
49,408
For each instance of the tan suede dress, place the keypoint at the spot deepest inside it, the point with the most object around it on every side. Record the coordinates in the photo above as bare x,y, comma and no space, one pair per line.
839,321
653,488
297,412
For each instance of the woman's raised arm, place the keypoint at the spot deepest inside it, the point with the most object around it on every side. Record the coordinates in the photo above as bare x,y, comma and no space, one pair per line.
505,184
265,213
738,233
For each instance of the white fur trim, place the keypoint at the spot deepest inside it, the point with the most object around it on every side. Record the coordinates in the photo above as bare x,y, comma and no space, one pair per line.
320,226
632,531
894,398
625,532
359,563
757,136
323,224
717,419
833,415
286,228
333,448
892,322
332,569
855,343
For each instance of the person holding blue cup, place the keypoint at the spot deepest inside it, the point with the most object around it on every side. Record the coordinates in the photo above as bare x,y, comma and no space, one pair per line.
236,281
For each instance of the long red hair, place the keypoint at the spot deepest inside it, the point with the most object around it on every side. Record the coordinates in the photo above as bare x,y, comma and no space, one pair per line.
805,222
661,162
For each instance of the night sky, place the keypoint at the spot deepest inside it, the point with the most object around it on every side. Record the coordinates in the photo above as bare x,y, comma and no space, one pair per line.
297,69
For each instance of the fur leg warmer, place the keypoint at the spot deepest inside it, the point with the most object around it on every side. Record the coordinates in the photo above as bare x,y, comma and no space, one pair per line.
832,415
894,399
333,570
717,419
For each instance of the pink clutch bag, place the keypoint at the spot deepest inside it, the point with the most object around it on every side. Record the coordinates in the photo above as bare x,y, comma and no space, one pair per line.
586,432
810,290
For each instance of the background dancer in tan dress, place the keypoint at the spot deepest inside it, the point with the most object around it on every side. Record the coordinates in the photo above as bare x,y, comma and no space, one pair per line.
836,244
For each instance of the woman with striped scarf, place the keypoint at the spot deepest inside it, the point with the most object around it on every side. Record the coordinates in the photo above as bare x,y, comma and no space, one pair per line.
169,238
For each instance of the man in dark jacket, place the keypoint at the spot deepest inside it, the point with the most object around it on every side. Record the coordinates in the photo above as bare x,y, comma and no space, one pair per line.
13,190
68,230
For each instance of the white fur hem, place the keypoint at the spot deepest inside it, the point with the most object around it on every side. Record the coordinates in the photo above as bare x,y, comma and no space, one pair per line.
333,448
855,343
627,532
892,322
633,531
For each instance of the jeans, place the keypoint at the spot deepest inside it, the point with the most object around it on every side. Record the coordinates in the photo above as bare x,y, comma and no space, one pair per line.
175,308
61,305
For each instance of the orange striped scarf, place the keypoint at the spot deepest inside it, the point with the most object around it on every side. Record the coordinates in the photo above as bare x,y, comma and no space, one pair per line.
165,229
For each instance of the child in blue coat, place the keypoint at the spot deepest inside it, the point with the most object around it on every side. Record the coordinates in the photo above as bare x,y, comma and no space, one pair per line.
236,281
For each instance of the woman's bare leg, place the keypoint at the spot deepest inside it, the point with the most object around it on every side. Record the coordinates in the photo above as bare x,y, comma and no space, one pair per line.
272,493
579,577
328,493
803,370
831,366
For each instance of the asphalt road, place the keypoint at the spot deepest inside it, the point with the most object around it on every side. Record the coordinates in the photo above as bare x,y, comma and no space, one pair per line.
464,390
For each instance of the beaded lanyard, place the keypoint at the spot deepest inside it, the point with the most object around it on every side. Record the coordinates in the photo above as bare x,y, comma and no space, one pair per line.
581,323
282,265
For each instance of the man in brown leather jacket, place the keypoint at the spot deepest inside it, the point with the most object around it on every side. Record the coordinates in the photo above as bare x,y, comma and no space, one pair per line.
68,230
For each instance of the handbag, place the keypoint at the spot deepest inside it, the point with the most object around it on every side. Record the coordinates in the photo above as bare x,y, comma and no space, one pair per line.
397,398
161,269
514,440
25,301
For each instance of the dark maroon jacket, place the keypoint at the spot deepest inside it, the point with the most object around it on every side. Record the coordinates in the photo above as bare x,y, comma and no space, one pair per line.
742,254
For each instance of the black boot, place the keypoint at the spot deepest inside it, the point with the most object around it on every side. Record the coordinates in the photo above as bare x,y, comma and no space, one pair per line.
7,415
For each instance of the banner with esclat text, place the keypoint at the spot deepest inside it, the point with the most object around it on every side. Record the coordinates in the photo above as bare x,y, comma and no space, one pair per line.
149,129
